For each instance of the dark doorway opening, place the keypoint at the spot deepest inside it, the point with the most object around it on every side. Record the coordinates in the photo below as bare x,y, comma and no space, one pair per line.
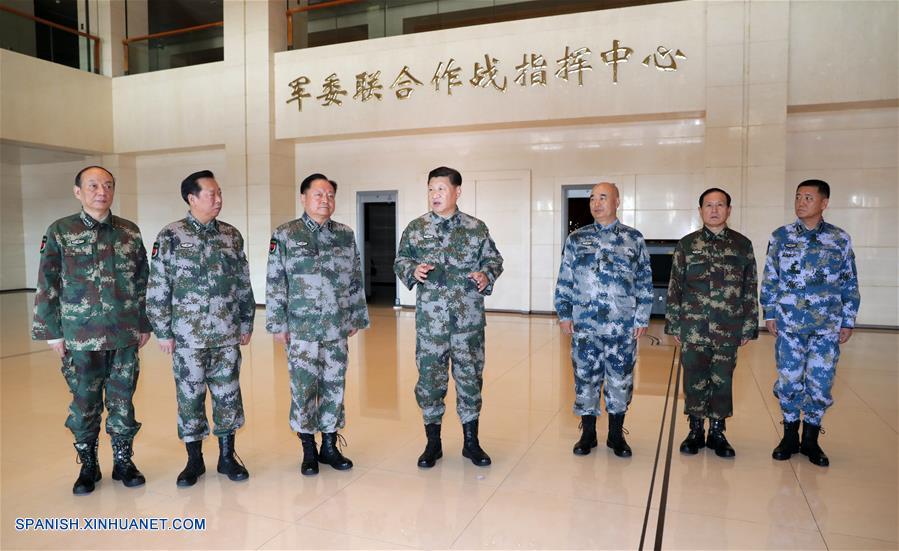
578,213
379,238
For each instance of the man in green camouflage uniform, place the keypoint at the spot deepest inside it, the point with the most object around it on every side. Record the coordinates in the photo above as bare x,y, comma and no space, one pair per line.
201,305
89,306
712,310
454,262
314,302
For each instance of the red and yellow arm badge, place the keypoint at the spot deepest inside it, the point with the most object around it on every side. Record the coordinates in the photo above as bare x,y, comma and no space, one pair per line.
155,249
43,243
272,246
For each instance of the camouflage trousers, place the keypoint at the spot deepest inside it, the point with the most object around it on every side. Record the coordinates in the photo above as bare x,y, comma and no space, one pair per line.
317,383
219,369
708,380
806,365
433,355
603,365
98,377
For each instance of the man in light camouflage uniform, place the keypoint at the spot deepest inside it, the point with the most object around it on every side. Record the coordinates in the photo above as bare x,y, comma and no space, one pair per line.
810,299
712,310
454,262
201,305
89,306
603,298
315,301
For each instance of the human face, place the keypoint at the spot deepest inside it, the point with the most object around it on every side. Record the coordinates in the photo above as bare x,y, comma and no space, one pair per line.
714,211
809,205
443,195
604,203
318,201
96,192
207,203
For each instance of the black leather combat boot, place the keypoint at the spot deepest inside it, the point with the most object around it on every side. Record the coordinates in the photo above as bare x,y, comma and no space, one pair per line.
471,447
616,440
789,444
229,463
810,447
694,441
588,436
195,465
716,439
330,455
309,466
90,467
433,449
123,468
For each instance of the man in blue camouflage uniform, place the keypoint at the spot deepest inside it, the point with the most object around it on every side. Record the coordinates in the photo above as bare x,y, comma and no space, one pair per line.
810,299
201,305
90,309
452,259
315,301
712,309
603,298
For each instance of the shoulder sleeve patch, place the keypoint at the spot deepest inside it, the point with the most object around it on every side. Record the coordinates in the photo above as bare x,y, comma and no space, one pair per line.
155,249
272,245
43,244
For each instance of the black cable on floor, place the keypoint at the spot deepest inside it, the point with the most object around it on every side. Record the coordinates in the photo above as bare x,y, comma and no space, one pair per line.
663,498
659,448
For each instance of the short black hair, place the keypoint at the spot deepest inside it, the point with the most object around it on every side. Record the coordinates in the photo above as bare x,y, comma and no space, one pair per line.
823,187
307,181
85,169
446,172
191,184
713,190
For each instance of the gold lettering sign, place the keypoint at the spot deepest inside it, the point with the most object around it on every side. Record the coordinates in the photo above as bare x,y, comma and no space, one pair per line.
575,62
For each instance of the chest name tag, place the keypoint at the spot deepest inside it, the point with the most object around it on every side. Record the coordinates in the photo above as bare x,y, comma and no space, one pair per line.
302,243
186,245
791,245
79,241
697,252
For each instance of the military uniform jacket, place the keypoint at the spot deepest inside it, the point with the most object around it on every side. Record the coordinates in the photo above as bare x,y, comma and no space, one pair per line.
91,284
314,281
810,284
605,280
199,292
448,301
712,294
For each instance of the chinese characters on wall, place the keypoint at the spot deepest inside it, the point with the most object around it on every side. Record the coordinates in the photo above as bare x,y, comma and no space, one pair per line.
487,73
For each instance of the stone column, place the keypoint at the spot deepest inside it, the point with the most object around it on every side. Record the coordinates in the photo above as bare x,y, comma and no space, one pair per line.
258,165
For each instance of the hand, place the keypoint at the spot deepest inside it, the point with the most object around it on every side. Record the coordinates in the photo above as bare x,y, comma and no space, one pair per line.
845,334
421,272
59,348
743,342
480,278
142,340
352,332
639,332
567,327
166,345
245,339
772,326
282,338
677,339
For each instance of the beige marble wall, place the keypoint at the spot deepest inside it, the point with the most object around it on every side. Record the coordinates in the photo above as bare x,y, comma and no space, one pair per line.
12,231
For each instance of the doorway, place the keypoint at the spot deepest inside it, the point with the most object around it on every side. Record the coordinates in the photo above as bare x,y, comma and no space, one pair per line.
576,208
376,217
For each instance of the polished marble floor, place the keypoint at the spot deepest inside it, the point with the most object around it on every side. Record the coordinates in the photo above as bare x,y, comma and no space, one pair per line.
536,495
